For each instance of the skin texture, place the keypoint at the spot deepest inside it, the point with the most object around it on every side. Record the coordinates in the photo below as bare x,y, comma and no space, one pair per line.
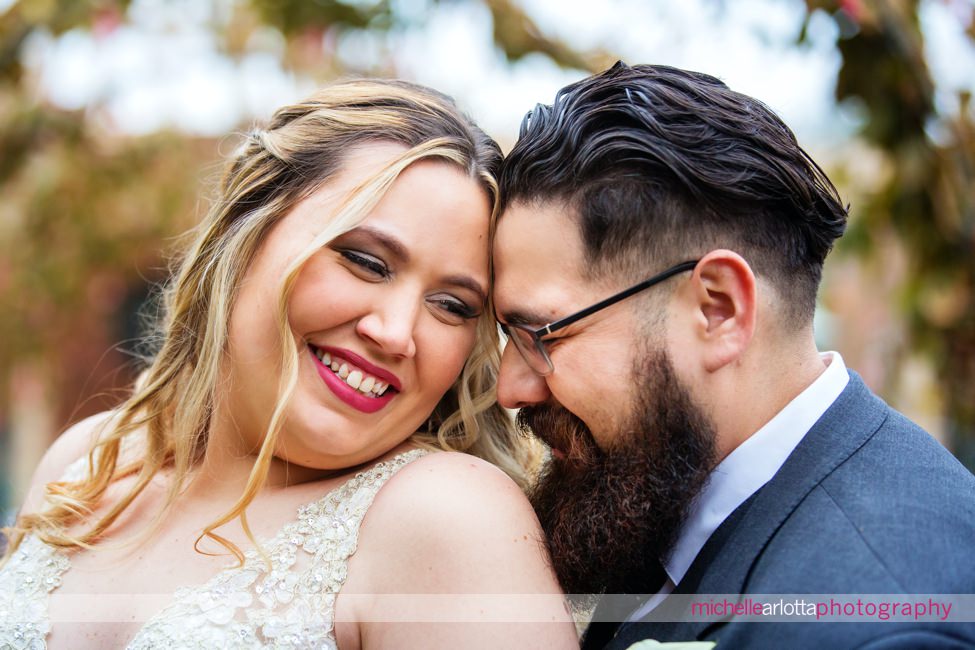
453,524
447,523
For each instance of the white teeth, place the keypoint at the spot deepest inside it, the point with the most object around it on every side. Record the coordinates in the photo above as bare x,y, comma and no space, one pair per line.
357,379
354,379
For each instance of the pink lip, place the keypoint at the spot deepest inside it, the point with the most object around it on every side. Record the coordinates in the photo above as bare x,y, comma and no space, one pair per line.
350,395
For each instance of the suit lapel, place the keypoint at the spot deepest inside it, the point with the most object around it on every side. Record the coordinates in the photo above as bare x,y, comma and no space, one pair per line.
845,427
726,561
600,632
687,629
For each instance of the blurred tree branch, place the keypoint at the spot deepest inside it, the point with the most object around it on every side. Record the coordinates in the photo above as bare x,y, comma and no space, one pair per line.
87,211
928,202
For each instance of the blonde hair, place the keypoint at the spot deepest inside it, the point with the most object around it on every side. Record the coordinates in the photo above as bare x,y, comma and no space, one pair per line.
303,147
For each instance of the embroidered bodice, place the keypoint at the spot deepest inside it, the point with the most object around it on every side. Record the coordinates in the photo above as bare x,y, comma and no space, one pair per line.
290,604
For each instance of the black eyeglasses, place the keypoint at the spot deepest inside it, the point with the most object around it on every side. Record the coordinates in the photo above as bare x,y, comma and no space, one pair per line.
529,341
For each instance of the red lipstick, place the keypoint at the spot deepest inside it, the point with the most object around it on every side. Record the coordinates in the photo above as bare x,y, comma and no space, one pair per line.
355,360
355,398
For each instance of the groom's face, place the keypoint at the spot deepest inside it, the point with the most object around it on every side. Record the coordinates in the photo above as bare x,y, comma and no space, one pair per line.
540,277
631,448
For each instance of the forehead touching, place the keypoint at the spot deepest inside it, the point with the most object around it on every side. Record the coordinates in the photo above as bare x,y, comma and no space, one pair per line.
435,217
539,265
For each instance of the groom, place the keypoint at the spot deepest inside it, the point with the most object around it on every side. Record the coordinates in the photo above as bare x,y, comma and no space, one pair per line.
657,260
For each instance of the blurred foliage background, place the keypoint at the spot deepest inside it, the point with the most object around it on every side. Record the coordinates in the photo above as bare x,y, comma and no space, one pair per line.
88,211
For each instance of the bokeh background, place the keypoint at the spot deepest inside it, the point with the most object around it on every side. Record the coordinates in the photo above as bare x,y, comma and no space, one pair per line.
115,116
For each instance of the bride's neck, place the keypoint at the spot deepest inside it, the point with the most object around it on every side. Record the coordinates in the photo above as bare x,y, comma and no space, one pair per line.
229,460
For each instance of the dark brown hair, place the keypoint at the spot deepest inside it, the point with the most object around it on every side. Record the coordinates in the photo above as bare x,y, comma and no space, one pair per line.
659,164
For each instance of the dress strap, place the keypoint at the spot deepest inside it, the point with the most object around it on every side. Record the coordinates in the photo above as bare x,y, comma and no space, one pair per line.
289,603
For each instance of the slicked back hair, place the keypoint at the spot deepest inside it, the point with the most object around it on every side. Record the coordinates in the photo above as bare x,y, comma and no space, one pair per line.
658,165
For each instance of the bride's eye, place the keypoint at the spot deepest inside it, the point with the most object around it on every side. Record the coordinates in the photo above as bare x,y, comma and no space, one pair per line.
452,310
370,265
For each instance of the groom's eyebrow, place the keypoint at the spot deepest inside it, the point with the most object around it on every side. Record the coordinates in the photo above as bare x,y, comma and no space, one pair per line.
522,317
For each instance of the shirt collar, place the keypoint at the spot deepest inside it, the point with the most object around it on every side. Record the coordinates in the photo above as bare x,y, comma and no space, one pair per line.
753,464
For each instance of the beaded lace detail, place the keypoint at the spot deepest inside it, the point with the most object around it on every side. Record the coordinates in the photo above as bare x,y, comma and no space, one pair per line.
31,573
292,605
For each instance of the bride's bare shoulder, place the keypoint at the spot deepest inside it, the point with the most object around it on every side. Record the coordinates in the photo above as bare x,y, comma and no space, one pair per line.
459,531
442,486
461,471
75,442
463,515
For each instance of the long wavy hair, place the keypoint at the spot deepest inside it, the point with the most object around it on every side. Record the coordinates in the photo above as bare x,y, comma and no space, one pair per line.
169,413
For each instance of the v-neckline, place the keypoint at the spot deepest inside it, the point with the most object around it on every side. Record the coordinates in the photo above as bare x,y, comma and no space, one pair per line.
251,555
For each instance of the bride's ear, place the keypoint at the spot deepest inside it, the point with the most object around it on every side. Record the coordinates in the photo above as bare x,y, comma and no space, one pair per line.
724,302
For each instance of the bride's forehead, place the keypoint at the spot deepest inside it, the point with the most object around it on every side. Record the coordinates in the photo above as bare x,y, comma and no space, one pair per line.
437,215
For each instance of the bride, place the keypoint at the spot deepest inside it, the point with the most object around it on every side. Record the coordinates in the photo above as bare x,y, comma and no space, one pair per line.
277,476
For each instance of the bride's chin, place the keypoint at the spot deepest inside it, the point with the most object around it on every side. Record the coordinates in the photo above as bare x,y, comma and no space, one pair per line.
331,453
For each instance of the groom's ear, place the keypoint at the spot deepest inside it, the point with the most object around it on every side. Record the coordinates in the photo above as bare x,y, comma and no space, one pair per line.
722,299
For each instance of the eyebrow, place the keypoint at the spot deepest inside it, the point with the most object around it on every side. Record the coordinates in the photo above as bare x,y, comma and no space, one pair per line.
469,283
399,250
387,241
520,317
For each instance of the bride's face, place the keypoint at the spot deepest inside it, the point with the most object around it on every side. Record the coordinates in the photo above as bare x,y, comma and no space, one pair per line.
384,316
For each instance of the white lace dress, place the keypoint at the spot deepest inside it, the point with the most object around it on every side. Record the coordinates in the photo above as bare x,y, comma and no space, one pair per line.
292,605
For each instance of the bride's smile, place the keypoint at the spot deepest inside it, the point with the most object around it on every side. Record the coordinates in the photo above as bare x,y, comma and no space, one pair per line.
327,352
392,302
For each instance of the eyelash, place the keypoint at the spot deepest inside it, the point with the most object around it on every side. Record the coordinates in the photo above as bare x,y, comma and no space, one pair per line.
367,263
452,306
457,308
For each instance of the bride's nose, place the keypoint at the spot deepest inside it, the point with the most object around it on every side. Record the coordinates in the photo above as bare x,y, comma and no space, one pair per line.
391,323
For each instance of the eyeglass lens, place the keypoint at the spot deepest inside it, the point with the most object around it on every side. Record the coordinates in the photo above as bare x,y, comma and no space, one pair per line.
532,352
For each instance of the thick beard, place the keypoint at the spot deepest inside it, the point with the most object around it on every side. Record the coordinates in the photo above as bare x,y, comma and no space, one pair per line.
611,514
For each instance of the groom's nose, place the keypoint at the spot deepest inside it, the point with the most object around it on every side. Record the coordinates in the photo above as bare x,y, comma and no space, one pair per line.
518,385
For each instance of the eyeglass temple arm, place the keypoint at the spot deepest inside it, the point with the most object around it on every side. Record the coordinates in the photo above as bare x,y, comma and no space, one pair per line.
623,295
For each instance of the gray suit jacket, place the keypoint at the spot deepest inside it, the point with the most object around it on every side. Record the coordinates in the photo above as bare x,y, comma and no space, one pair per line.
868,503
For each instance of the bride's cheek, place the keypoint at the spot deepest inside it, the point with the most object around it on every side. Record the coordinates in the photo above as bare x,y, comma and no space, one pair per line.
446,357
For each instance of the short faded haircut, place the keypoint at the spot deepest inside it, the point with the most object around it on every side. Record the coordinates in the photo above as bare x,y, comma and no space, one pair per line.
658,165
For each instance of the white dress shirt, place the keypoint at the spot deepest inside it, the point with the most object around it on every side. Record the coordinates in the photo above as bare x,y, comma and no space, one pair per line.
746,469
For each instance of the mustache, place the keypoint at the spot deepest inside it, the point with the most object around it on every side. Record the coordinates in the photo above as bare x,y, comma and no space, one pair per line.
560,430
